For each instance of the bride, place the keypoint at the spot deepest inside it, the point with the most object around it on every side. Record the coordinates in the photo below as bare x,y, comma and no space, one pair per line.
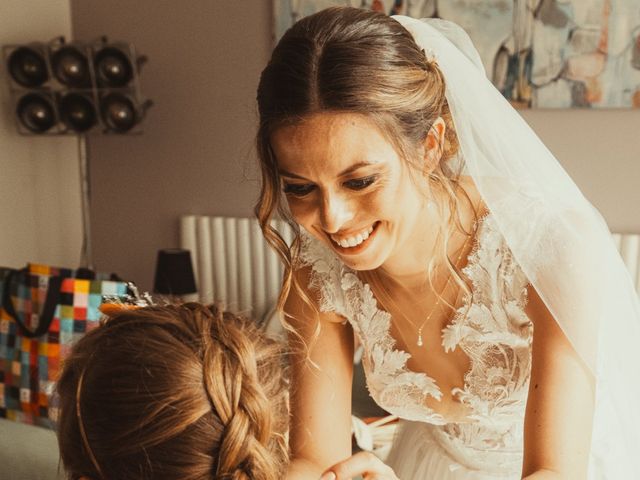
497,320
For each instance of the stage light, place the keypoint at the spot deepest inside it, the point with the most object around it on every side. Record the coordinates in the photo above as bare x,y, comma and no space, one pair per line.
113,67
76,88
36,112
77,112
70,66
27,66
118,112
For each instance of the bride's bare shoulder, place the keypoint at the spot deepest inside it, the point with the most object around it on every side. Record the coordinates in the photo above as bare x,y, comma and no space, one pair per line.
303,301
475,206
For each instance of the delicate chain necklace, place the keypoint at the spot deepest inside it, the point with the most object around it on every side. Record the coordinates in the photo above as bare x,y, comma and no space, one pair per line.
420,342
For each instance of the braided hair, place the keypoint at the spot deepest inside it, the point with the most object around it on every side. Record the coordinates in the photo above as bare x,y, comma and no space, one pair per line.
174,392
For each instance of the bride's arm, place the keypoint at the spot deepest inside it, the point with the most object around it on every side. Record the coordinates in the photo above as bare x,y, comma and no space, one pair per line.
558,420
320,395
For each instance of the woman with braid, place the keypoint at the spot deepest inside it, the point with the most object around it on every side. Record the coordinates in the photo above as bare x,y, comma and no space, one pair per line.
173,392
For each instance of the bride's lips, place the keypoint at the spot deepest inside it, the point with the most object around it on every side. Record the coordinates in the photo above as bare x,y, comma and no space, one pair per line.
359,248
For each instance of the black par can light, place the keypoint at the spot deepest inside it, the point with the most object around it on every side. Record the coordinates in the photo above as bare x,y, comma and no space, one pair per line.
113,66
78,111
27,65
70,65
60,88
36,112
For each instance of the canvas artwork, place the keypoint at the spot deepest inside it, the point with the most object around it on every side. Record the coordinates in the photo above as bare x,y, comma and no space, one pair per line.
538,53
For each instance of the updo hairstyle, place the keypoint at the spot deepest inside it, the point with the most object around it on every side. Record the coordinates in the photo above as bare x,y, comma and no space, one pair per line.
174,392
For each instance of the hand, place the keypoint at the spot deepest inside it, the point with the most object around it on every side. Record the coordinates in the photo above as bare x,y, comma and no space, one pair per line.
362,463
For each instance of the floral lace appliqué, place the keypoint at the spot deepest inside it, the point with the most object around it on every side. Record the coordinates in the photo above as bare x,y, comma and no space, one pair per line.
491,327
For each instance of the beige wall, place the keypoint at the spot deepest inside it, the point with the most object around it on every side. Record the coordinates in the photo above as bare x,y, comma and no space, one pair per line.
39,187
196,153
601,152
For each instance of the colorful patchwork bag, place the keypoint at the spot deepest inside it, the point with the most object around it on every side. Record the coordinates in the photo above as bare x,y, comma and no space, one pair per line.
44,311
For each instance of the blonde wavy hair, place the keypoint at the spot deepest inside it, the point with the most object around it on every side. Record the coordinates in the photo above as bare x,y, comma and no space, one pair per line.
183,392
356,61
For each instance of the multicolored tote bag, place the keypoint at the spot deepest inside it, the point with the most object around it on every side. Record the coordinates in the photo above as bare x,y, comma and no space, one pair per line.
44,311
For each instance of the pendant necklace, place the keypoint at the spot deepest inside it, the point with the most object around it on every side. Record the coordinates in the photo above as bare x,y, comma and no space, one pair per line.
420,341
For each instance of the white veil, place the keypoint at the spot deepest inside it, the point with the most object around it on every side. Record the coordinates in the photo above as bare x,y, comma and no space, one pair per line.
558,238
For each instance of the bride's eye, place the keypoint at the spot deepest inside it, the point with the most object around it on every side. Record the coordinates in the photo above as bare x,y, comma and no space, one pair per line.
298,190
361,183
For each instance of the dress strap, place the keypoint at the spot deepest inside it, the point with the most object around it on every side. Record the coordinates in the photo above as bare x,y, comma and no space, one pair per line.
326,274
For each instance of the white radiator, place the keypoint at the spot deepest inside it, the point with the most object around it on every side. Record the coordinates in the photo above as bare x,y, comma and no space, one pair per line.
233,263
235,266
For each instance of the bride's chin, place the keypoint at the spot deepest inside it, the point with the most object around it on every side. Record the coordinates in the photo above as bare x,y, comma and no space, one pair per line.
362,266
372,259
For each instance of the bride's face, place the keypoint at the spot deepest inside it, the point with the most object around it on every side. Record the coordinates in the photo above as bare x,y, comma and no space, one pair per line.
346,185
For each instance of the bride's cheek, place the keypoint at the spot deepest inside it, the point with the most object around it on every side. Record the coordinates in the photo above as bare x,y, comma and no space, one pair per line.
377,201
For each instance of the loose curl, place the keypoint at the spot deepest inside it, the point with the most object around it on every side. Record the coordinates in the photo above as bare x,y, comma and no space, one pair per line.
170,392
356,61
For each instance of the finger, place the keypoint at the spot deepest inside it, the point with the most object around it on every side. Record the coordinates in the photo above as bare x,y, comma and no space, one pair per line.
376,476
362,463
373,476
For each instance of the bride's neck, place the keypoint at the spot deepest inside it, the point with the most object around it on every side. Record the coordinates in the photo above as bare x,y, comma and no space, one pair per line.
408,266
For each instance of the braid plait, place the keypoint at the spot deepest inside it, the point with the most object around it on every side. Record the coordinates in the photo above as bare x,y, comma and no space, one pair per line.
233,365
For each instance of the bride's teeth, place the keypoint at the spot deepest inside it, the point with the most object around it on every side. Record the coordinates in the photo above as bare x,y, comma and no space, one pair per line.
355,240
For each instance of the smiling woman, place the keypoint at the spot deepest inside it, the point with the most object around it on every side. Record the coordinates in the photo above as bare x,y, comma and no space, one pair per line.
345,184
432,223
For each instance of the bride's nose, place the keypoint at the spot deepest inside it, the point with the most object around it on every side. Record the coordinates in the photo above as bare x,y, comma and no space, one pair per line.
335,212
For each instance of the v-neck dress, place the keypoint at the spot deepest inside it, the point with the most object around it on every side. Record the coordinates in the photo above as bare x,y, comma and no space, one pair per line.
492,329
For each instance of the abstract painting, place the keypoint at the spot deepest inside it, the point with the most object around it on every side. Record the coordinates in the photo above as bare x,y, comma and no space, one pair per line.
538,53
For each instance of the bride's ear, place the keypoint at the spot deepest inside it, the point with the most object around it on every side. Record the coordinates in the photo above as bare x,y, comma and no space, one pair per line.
434,144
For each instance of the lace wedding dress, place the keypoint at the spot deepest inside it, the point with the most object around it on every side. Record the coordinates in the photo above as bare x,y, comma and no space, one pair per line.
491,328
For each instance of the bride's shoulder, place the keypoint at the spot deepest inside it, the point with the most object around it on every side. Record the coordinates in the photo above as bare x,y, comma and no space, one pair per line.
316,255
472,210
311,297
475,204
318,279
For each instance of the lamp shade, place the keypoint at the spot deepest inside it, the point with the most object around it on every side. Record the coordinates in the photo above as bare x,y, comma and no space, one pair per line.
174,272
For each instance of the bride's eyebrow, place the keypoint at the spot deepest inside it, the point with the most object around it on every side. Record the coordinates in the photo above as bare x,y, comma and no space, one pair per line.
344,173
284,173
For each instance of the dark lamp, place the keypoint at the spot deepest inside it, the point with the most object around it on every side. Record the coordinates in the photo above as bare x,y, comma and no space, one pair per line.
71,67
113,67
174,272
118,112
27,67
77,112
75,88
36,112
